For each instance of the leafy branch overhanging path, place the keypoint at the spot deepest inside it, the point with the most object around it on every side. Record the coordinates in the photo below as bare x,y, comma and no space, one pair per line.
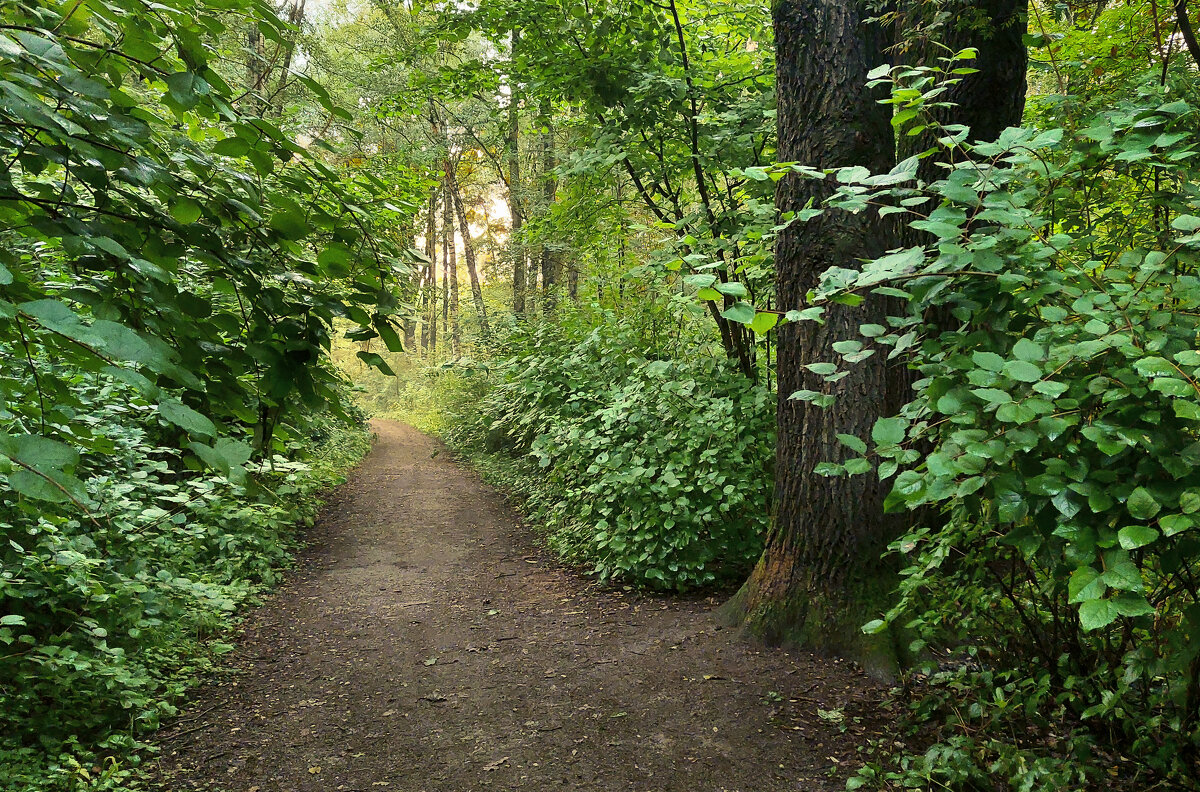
426,644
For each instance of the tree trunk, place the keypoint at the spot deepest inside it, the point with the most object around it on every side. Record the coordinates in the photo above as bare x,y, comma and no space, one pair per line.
991,99
452,263
427,270
256,68
469,251
551,259
447,256
515,245
431,281
820,576
295,17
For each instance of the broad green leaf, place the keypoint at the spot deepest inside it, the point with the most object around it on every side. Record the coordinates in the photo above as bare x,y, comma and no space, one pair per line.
740,312
1142,505
192,422
1135,536
888,431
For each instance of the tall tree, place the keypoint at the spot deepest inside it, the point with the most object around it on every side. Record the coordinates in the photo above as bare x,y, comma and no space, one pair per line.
451,274
820,574
515,211
821,556
469,254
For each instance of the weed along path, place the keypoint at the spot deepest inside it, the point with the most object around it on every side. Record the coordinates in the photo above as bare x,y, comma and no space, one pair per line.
426,645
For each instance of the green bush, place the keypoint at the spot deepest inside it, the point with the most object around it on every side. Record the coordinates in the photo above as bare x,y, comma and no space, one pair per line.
653,471
108,617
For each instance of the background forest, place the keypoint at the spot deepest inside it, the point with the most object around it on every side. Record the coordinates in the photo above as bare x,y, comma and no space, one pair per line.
882,316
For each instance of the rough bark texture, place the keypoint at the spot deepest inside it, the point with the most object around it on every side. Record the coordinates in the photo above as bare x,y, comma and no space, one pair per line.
820,575
992,98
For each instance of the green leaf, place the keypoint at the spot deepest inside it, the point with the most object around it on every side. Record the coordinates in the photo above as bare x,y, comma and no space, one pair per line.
1187,223
731,289
853,443
186,211
889,431
1022,371
1095,614
1085,584
37,486
874,626
764,322
1028,350
376,361
740,312
186,418
232,147
992,395
988,360
1142,505
1132,537
291,223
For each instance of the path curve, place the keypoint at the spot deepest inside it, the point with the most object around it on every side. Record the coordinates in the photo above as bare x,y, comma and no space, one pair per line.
426,645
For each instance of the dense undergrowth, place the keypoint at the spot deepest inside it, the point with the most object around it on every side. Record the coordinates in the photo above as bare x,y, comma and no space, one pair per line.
110,618
643,468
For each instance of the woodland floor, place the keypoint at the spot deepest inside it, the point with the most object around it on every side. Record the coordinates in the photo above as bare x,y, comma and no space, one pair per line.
426,644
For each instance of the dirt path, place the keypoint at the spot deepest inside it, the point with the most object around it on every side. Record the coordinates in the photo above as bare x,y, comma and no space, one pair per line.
425,645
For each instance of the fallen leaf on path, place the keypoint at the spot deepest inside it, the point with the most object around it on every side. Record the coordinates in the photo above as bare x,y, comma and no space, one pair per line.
496,765
315,769
431,661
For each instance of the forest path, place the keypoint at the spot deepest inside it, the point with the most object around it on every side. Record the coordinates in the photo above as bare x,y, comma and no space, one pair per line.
426,645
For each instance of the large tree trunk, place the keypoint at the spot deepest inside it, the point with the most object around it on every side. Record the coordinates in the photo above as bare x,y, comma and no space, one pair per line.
469,251
992,98
820,574
515,244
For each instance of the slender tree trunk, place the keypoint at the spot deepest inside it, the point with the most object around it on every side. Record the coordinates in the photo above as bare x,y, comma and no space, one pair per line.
551,259
515,244
819,575
451,275
256,68
469,252
447,256
295,17
427,270
431,280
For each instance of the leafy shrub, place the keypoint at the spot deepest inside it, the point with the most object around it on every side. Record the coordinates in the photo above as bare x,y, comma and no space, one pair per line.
1053,317
109,616
651,471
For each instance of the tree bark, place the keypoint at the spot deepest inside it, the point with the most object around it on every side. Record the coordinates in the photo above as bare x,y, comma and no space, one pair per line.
991,99
819,575
469,252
